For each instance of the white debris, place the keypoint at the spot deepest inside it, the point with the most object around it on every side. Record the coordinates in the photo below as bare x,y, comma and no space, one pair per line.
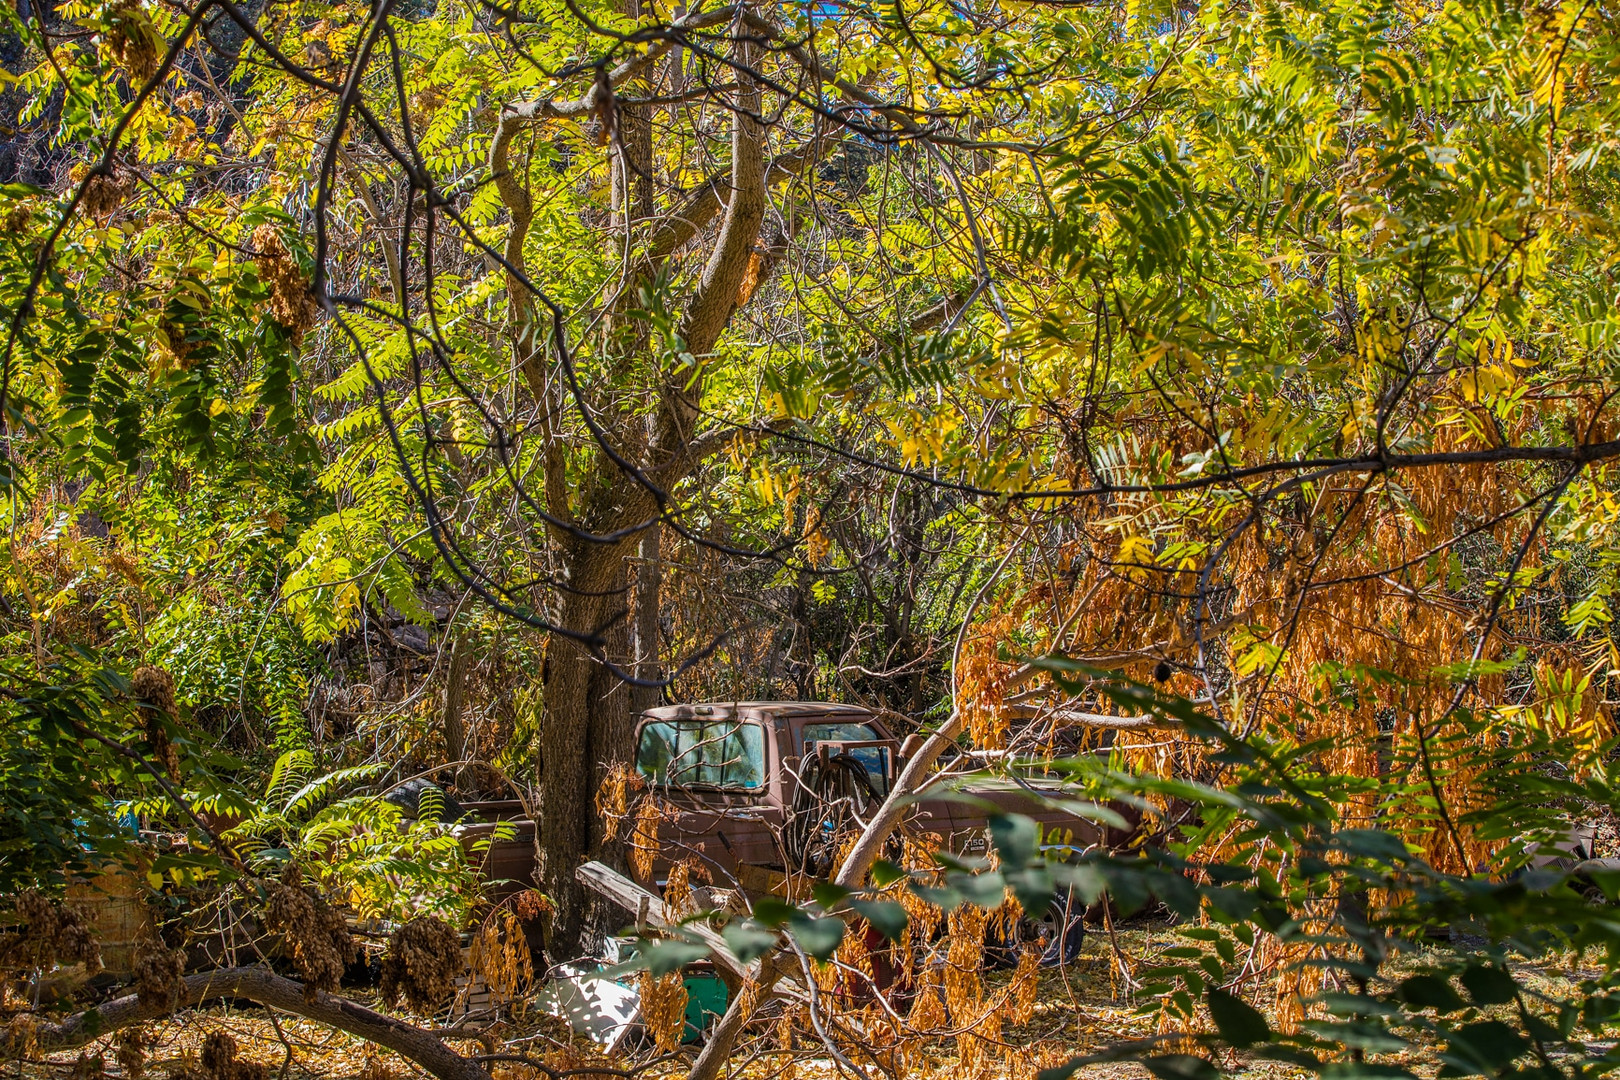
594,1005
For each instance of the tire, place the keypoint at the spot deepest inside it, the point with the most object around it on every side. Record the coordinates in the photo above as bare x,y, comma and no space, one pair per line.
1062,926
1065,923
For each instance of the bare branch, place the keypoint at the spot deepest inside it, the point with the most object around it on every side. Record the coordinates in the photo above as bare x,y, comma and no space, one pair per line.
266,988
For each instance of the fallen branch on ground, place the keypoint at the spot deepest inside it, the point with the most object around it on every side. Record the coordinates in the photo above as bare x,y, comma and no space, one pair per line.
269,989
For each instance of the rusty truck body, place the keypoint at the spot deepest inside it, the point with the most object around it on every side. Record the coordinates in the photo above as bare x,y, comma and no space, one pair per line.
779,785
756,790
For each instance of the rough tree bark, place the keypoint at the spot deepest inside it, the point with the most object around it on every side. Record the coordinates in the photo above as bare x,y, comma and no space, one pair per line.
455,700
588,713
266,988
649,584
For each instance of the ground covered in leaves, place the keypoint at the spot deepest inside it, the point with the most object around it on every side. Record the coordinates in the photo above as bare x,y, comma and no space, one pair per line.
1080,1010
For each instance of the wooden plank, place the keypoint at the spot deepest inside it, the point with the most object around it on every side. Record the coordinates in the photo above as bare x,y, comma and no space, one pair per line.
649,907
758,881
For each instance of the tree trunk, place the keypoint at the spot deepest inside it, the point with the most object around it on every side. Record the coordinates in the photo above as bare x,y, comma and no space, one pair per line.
585,730
612,716
266,988
589,709
649,574
566,789
588,716
455,700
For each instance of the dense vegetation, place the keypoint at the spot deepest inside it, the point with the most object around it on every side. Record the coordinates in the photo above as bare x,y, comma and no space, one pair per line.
1204,403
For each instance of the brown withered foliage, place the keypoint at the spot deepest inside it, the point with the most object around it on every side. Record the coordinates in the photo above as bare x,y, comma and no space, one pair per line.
678,886
644,835
131,1053
179,347
51,933
613,797
375,1068
154,689
103,195
532,904
219,1060
663,1008
421,964
158,973
89,1067
500,955
131,41
1025,986
291,305
928,1007
20,1038
312,932
568,1060
218,1052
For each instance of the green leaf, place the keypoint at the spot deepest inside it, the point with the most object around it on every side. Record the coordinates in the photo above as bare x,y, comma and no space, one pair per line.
1488,984
820,937
947,900
1180,1067
747,941
1485,1046
1239,1023
774,911
828,894
885,916
1364,1070
1034,888
885,873
663,956
1292,1054
1090,811
1370,1036
1086,879
1376,844
1430,992
1016,837
987,890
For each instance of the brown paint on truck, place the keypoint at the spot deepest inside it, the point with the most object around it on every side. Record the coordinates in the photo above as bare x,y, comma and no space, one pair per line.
750,778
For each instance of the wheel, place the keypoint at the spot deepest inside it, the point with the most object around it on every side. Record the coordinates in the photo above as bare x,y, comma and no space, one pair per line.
1062,927
1065,926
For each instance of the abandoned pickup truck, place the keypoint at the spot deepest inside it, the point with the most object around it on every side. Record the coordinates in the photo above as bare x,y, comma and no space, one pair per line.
778,786
756,790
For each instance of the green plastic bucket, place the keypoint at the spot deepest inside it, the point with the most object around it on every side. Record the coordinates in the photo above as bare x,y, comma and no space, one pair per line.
705,1003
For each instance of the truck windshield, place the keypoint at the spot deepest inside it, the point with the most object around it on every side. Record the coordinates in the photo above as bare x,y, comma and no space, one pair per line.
716,753
874,758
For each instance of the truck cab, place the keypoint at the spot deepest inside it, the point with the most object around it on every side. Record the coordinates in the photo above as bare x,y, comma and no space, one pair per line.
757,789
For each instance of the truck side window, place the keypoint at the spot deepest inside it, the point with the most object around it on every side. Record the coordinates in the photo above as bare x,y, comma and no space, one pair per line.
713,753
874,758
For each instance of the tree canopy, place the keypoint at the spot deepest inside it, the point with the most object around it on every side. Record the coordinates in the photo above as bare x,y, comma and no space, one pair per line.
1201,406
